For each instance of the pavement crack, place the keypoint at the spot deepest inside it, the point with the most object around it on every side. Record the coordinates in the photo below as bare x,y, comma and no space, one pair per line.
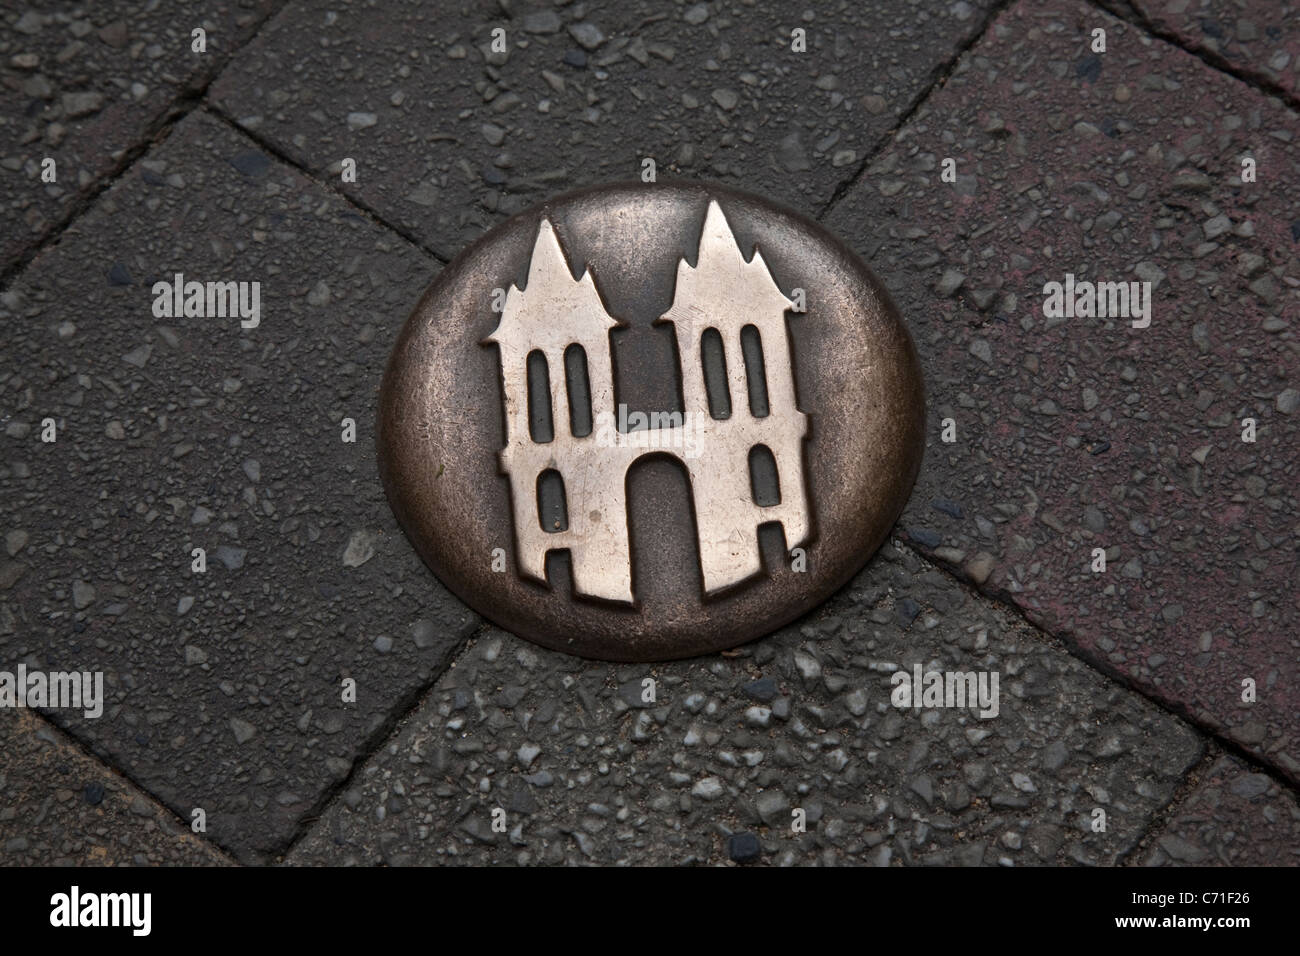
1159,821
156,133
1260,82
402,709
1105,668
939,76
269,146
73,742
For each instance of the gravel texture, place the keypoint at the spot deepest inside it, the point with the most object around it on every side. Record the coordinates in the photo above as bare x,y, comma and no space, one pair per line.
224,688
1074,434
85,84
60,807
587,772
1232,815
449,136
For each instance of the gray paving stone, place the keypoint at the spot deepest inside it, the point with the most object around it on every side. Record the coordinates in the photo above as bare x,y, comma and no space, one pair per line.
449,136
224,688
583,776
59,807
81,83
1082,433
1233,815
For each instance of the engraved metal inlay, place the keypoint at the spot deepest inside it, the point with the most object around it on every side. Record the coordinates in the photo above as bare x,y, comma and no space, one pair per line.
723,297
611,426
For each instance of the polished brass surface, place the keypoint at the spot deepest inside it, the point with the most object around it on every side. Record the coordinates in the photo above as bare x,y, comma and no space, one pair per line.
764,474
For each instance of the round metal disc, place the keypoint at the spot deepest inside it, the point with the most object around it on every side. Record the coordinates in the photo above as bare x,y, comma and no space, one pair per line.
641,422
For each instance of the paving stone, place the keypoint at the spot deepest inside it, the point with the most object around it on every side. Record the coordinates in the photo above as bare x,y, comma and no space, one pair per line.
59,807
82,83
224,688
1086,433
1261,38
678,781
1233,816
721,97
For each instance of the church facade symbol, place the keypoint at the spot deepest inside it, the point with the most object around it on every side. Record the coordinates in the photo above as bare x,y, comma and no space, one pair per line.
558,324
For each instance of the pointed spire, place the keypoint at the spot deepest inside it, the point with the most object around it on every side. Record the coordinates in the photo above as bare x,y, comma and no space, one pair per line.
551,290
718,247
720,260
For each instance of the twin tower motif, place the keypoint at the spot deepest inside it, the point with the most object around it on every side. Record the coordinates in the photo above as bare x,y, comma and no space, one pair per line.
723,297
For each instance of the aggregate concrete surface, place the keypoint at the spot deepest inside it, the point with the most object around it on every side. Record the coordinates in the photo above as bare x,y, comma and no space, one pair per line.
450,136
224,687
1232,815
60,807
1082,433
587,771
84,84
1124,734
1256,37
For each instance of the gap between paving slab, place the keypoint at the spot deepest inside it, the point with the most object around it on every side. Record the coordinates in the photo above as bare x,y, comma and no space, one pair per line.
587,772
1003,596
938,78
151,127
178,111
1181,28
914,200
828,206
1225,813
60,806
177,433
709,94
1258,790
271,149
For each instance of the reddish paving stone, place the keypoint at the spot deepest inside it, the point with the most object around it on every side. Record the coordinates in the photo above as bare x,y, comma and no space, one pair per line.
449,137
59,807
1233,816
1260,38
224,689
81,83
1084,433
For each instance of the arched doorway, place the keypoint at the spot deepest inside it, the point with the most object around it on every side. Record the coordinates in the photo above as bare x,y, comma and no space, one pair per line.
661,522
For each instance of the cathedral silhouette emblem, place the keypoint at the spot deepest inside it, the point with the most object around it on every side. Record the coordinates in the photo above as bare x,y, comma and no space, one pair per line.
558,324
